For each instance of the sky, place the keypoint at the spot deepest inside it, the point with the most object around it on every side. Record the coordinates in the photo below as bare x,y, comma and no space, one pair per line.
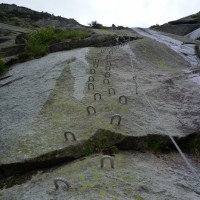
131,13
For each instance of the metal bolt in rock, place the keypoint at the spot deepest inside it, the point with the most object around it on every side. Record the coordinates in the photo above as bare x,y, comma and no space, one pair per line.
91,78
110,52
92,71
89,86
107,68
108,57
111,89
98,54
95,64
67,133
95,96
118,117
113,49
123,97
108,158
96,61
61,180
89,108
107,74
106,80
108,63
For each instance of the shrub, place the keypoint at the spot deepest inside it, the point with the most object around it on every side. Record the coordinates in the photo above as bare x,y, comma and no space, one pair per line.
154,26
95,24
38,49
42,36
121,27
158,145
38,41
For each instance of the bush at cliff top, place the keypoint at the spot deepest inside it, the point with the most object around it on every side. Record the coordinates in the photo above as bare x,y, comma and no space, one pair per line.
39,40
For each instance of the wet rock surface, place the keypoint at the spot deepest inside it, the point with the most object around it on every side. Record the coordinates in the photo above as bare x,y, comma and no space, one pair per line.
194,34
184,49
42,99
178,29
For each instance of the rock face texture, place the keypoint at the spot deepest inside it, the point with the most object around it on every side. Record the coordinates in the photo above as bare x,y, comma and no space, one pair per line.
179,29
80,91
9,45
141,176
185,48
194,34
187,26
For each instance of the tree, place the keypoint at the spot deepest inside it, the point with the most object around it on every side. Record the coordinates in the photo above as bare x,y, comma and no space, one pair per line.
95,24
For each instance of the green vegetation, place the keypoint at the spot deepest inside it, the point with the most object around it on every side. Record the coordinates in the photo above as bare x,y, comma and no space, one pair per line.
7,33
196,16
158,145
103,142
95,24
154,26
193,16
16,12
192,144
17,179
102,146
121,27
38,41
138,197
2,66
101,149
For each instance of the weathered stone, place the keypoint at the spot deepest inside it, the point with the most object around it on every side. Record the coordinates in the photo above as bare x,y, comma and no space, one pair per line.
21,38
12,50
197,49
95,40
181,29
135,176
194,34
52,96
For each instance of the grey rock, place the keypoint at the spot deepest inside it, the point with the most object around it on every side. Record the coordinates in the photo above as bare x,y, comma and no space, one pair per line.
12,50
21,38
136,176
43,98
